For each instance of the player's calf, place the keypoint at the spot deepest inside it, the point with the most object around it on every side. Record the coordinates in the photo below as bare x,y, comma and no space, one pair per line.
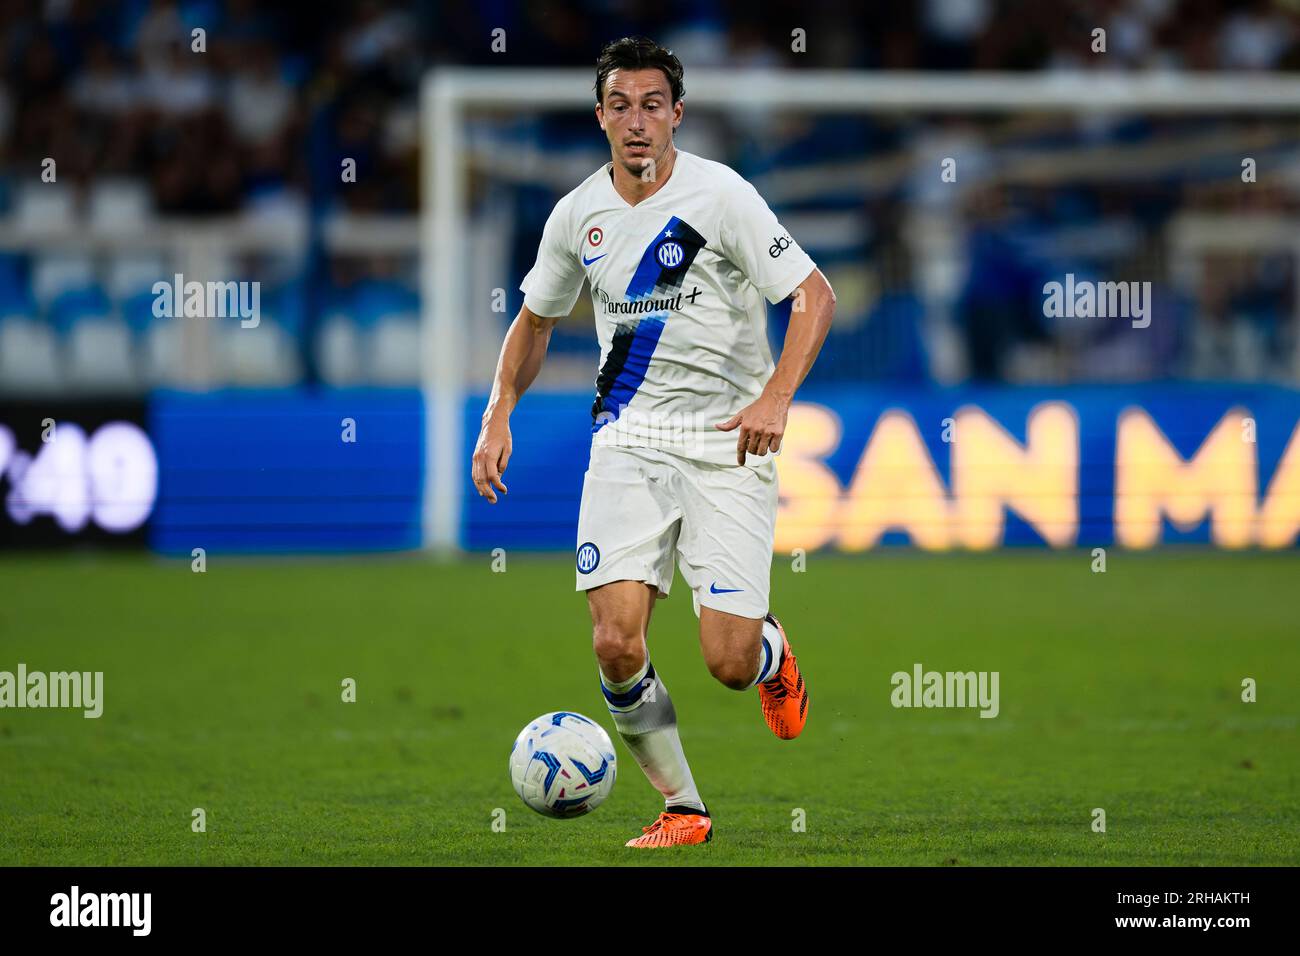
735,673
634,693
732,647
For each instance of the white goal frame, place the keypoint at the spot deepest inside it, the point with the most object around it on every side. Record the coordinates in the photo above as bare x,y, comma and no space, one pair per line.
448,94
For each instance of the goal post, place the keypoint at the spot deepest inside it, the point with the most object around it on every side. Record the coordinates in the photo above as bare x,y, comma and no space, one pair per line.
450,96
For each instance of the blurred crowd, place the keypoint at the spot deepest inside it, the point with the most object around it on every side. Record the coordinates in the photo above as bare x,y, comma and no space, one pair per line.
206,107
251,110
282,91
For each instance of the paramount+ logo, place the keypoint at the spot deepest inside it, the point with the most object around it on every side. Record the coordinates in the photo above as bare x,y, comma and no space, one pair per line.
778,246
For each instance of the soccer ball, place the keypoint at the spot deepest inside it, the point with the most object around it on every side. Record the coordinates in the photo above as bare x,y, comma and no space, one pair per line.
562,764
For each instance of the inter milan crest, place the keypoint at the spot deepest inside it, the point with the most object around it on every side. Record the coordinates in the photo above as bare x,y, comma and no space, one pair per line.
588,557
670,254
666,260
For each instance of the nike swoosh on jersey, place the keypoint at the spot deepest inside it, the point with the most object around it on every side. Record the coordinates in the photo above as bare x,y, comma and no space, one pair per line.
587,262
714,589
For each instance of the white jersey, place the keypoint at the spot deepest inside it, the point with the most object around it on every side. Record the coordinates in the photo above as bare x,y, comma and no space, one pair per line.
677,284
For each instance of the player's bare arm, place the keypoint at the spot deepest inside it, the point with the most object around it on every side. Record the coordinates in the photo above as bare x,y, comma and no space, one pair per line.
762,423
521,359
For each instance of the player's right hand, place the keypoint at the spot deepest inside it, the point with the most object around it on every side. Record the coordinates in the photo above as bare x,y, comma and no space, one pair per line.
491,455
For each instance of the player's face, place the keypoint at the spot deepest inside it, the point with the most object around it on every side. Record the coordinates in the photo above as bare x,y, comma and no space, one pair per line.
638,116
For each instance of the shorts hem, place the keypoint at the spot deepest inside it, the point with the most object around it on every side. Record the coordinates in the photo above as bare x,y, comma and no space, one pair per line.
719,603
589,581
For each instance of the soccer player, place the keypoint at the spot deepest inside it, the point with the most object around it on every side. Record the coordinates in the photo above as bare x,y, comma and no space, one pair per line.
680,253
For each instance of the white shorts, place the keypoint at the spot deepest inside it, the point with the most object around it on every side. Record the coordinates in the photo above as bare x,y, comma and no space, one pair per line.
644,509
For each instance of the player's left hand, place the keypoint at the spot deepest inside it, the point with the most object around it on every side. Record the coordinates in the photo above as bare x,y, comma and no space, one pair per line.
761,426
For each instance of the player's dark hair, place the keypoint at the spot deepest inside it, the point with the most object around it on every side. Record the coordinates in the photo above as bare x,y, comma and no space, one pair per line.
639,53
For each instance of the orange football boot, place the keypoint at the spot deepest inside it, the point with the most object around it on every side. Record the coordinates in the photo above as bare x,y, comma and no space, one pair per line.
674,829
785,696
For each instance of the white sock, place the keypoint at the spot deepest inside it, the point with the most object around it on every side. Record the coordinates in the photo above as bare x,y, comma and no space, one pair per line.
769,653
647,721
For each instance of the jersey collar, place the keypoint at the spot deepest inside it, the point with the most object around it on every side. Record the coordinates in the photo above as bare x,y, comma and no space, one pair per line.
608,179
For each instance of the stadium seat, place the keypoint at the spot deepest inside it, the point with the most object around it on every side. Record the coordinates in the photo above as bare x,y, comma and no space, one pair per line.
41,207
55,275
163,353
387,315
100,354
395,351
118,203
29,356
265,355
132,274
338,351
15,286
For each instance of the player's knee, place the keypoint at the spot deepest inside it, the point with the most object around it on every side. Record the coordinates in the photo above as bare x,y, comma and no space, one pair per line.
619,647
732,672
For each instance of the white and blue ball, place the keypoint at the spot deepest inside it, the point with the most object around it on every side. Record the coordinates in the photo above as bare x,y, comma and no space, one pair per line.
563,764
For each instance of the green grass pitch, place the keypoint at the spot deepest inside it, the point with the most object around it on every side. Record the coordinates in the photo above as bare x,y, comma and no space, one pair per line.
1119,690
